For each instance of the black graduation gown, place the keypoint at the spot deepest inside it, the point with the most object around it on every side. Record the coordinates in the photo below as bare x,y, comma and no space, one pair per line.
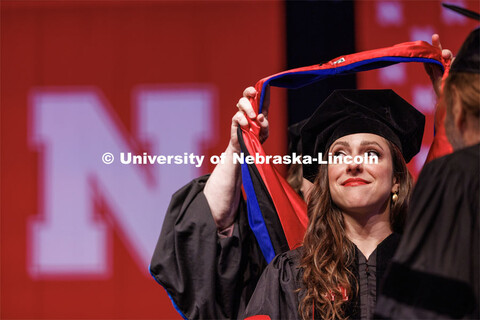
277,296
435,273
205,275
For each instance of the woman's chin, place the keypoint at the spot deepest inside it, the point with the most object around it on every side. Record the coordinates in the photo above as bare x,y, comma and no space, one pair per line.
362,206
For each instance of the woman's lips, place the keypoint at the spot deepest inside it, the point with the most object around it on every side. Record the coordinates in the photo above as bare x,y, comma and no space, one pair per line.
353,182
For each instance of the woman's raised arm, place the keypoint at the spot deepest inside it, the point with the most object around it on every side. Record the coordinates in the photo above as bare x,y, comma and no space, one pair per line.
223,188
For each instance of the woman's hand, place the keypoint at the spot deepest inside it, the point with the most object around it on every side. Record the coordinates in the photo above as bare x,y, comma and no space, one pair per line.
245,109
434,71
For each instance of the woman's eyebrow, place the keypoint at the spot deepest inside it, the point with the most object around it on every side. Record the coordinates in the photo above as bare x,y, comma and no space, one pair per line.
366,143
343,143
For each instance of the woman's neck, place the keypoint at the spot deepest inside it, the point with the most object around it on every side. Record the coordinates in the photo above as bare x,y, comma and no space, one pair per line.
367,232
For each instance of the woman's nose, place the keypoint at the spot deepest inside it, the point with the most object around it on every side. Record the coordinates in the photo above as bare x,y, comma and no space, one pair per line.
354,167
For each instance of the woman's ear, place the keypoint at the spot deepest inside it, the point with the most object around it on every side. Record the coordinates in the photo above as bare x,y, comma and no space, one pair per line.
395,185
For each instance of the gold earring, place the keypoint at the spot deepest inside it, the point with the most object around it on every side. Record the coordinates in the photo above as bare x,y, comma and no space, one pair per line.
395,197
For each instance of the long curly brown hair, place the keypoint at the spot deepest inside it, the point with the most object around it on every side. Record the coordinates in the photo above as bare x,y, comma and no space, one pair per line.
328,255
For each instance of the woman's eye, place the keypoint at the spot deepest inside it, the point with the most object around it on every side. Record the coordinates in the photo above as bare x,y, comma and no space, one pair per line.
373,153
339,153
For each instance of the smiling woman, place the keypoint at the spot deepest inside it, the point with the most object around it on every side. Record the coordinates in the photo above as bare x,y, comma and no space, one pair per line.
356,210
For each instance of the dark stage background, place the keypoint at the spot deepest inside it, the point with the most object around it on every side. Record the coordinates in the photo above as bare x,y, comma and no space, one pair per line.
80,79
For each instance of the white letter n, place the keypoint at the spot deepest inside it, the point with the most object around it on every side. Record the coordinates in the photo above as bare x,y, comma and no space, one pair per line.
72,129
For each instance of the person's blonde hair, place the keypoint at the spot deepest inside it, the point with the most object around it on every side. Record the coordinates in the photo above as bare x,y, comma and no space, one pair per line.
468,87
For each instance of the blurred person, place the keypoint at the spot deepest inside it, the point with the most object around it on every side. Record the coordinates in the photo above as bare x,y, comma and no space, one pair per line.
435,273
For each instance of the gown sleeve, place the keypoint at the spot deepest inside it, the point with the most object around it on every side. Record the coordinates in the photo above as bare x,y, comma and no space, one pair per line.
276,295
205,275
435,271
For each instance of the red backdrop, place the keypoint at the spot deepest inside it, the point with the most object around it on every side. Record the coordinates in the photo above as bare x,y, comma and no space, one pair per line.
112,50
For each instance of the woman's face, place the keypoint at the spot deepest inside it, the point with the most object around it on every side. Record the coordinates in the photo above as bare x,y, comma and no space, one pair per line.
361,188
